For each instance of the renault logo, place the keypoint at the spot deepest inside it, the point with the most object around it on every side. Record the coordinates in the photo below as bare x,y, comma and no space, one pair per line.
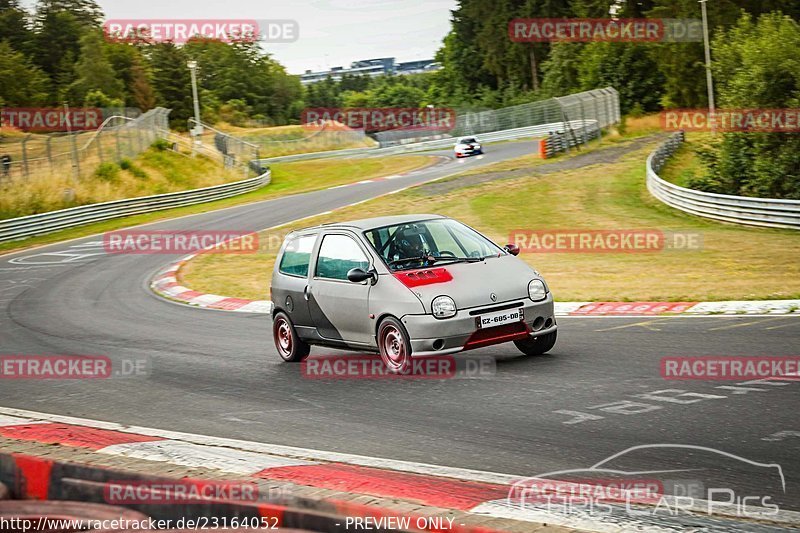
493,296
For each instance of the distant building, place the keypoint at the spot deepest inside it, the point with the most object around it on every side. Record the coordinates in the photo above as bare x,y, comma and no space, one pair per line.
371,67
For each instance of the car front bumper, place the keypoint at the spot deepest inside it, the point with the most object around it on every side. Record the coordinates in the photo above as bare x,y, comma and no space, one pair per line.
434,336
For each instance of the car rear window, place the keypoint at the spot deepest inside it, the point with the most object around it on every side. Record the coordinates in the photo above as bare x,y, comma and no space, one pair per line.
297,255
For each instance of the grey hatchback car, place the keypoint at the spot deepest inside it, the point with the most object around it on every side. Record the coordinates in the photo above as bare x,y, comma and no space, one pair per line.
405,286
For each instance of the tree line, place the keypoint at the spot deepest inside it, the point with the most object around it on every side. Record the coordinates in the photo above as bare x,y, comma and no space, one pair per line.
58,54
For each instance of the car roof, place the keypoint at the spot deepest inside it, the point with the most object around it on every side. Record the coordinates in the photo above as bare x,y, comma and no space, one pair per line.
376,222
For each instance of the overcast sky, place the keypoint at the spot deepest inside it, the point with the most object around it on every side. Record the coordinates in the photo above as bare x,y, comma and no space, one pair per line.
332,32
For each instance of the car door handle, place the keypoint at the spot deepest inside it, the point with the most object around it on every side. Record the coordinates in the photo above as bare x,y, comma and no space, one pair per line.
305,292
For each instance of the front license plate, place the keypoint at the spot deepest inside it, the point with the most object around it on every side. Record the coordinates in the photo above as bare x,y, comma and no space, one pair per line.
499,318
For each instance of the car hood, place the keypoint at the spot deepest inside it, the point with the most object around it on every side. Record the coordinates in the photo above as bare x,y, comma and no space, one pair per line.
471,284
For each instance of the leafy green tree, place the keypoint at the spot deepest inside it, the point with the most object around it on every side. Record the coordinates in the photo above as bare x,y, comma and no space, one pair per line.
14,26
87,12
140,89
757,65
21,83
562,69
172,82
94,72
322,94
56,48
628,67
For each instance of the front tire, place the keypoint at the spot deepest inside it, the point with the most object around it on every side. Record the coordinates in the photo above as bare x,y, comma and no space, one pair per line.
537,346
394,346
290,347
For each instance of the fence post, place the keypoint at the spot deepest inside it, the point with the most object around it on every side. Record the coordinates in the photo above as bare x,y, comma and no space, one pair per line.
76,166
25,154
119,150
99,146
139,137
49,152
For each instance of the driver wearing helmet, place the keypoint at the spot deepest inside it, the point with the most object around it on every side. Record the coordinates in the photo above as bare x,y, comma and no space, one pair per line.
410,244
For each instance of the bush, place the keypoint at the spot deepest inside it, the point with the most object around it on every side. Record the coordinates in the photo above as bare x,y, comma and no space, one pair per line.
130,166
161,145
108,172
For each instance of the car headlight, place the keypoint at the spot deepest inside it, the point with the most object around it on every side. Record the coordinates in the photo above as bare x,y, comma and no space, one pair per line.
477,147
537,290
443,307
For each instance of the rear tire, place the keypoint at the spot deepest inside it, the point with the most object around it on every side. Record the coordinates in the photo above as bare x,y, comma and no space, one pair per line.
394,346
290,347
537,346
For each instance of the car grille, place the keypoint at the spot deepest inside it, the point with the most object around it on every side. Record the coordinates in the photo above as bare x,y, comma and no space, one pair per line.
502,307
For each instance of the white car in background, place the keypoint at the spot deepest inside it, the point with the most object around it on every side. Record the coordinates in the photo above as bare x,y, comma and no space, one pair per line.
468,146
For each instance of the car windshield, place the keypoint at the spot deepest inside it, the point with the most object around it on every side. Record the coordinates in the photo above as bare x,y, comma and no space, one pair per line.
423,243
467,140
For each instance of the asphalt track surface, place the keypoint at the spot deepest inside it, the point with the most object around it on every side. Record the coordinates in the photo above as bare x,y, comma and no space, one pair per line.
216,373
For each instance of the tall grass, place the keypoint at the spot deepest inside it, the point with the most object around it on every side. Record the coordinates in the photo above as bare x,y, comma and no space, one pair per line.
154,171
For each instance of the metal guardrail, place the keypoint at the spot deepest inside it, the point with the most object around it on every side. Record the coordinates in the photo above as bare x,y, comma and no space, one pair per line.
562,141
494,136
600,106
28,226
768,212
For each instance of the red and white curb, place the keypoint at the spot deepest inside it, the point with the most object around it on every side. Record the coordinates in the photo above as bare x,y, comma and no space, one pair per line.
166,284
472,491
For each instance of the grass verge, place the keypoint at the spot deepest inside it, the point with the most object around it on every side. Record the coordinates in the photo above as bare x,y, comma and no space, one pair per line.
155,171
734,262
287,178
685,165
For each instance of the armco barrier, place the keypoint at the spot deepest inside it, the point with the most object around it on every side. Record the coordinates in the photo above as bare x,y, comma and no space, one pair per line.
494,136
28,226
728,208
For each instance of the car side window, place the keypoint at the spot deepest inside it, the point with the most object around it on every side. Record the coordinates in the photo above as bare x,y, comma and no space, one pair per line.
337,255
297,256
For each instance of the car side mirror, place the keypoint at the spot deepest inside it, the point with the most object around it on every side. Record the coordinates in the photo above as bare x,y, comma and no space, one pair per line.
513,249
357,275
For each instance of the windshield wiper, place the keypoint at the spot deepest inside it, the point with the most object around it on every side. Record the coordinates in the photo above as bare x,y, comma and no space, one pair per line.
461,259
428,258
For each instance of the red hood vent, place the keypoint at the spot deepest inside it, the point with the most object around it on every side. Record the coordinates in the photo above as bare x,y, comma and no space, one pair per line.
427,276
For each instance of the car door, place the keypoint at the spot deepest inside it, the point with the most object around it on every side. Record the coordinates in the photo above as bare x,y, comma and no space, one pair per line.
340,308
289,291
